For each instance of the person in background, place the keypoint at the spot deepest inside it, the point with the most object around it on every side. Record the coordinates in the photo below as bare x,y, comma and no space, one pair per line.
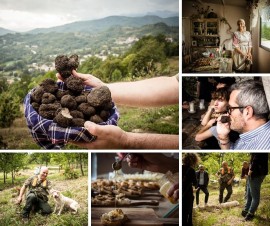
242,45
189,182
202,180
37,196
244,174
226,176
220,99
154,92
257,171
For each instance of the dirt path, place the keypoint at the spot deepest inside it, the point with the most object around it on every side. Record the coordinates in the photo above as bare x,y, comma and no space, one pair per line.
229,216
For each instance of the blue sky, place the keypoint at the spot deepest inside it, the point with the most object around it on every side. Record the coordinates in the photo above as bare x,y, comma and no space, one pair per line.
24,15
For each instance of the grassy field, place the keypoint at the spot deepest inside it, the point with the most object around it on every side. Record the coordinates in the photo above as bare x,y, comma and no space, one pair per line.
232,216
153,120
76,189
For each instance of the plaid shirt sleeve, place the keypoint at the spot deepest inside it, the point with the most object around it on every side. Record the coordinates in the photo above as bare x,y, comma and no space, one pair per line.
48,135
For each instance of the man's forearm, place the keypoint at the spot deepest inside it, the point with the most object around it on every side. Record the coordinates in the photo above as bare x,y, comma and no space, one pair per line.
22,191
152,141
153,92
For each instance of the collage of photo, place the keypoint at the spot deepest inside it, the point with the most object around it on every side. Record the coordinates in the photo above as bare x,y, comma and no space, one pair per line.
91,132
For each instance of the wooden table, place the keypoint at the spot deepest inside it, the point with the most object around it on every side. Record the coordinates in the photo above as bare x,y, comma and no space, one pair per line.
191,124
136,216
142,215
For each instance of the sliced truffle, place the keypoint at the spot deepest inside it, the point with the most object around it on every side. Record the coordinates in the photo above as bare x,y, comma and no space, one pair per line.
78,122
74,84
69,102
80,99
60,93
104,115
86,109
96,119
76,114
48,98
63,118
99,96
49,85
48,111
36,95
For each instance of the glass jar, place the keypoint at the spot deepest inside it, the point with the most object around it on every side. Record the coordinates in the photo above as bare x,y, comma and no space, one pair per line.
165,183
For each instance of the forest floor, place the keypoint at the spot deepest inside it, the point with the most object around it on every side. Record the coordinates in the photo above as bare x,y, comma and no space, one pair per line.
232,216
77,189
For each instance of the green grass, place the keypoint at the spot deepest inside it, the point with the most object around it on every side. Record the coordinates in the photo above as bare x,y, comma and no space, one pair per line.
163,120
232,216
76,189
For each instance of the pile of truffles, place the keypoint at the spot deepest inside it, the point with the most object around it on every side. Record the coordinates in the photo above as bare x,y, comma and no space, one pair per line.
73,106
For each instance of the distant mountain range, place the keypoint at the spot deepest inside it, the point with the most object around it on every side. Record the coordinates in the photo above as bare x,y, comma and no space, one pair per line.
93,26
4,31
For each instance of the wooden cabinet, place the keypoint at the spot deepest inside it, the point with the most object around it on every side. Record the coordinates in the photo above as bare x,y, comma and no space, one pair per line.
205,33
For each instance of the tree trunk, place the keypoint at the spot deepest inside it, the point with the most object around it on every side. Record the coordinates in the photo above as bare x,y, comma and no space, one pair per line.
4,177
81,165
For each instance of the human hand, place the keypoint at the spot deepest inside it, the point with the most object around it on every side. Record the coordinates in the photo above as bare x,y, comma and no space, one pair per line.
108,137
249,173
19,200
88,79
154,162
211,122
229,182
174,191
223,129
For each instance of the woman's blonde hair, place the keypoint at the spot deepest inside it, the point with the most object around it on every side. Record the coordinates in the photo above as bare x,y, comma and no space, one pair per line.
238,23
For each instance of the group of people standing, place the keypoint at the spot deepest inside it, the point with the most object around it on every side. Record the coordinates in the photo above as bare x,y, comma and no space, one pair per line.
194,181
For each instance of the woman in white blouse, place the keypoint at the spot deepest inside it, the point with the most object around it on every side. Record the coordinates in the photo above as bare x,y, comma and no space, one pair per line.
242,45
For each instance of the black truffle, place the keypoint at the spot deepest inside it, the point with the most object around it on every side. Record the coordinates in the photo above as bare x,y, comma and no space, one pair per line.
225,119
80,99
48,98
74,84
86,109
49,85
99,96
60,93
76,114
48,111
36,95
96,119
63,118
35,106
69,102
108,106
78,122
64,65
104,115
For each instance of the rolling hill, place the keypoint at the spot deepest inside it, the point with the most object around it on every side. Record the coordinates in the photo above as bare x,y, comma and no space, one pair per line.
93,26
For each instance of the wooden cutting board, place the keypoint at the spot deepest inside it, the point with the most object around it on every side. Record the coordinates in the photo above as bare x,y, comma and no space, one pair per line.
136,216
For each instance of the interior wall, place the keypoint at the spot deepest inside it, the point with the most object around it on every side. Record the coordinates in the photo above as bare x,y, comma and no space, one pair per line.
231,13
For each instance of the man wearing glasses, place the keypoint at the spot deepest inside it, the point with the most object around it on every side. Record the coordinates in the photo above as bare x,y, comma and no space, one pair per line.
248,114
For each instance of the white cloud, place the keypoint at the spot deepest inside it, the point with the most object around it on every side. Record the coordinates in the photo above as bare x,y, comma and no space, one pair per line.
24,15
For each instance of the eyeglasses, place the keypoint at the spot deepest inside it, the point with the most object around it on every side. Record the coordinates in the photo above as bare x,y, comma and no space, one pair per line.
230,109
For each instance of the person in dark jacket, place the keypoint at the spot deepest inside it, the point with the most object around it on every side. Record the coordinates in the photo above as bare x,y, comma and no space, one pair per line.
258,169
190,160
202,180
